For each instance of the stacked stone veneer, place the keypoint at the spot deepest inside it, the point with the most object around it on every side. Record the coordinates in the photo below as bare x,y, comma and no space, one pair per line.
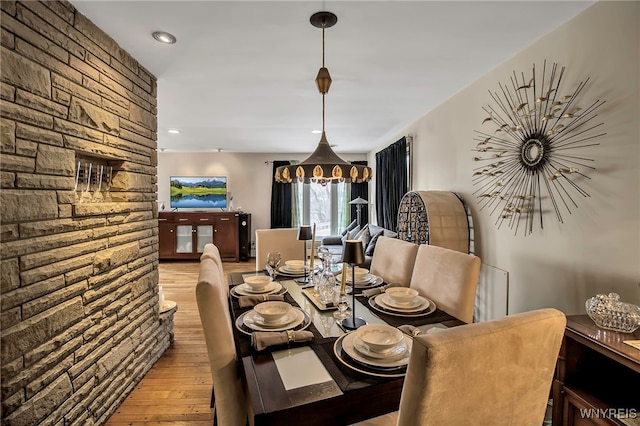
79,303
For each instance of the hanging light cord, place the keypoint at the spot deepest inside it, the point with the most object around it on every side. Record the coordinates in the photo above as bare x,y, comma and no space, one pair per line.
323,93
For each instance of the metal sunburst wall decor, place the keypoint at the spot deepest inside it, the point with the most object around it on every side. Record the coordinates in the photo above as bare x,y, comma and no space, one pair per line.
530,159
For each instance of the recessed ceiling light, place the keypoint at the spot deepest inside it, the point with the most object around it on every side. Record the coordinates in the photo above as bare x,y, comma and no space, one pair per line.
174,131
164,37
316,131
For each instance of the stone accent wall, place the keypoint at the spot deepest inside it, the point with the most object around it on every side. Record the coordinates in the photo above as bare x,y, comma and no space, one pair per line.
79,315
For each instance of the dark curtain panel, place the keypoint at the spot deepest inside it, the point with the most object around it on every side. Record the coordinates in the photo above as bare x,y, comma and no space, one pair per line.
360,190
391,183
280,200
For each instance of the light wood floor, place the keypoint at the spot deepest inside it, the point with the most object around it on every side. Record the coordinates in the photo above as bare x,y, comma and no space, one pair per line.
177,389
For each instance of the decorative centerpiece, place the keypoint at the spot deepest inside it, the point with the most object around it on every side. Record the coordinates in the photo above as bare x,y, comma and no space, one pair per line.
607,311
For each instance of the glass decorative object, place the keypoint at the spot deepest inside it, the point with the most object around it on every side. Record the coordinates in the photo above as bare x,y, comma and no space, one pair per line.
324,281
607,311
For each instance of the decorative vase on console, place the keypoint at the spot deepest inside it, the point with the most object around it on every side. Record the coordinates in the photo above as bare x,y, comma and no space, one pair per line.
607,311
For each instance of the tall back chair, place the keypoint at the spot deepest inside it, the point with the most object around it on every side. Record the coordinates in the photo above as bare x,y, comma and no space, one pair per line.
212,252
486,374
490,373
284,240
449,278
393,260
213,306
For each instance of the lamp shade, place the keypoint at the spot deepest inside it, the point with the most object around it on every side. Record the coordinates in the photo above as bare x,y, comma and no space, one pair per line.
353,252
358,201
304,232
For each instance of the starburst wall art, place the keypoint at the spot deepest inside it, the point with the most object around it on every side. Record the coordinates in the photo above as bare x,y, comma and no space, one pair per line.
529,149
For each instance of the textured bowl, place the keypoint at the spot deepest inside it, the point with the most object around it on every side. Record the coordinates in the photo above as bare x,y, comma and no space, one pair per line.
379,338
272,311
258,282
360,272
295,264
401,295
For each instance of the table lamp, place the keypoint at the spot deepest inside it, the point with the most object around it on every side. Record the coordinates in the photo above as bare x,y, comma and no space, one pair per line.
358,202
353,254
304,234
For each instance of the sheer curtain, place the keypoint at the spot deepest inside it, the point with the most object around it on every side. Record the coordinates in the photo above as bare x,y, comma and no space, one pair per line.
326,206
391,183
280,200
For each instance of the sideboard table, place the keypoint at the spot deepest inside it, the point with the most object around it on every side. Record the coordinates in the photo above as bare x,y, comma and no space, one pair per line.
597,376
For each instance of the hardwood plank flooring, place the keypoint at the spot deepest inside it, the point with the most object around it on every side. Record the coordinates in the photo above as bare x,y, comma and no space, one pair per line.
177,389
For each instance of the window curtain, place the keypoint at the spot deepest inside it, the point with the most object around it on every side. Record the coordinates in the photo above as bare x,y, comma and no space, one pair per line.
391,183
360,190
280,200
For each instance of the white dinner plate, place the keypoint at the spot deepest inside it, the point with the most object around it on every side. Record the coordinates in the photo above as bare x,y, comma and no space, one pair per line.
366,278
388,368
246,290
418,303
373,302
397,352
375,281
240,325
255,322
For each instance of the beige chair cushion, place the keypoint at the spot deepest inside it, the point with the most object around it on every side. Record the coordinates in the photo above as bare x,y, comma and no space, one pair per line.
284,240
213,306
393,260
211,251
486,374
447,277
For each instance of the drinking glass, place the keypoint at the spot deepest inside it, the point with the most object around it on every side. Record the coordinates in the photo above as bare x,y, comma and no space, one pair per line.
341,300
273,261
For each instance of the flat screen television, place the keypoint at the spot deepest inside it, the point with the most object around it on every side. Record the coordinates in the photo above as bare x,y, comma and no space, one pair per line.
198,192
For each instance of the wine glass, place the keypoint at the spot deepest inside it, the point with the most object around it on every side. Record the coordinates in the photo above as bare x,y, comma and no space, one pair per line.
341,300
273,261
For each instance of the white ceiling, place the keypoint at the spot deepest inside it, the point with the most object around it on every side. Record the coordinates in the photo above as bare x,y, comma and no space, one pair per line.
241,76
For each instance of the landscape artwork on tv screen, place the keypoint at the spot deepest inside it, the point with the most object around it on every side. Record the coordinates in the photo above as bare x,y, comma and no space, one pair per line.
201,192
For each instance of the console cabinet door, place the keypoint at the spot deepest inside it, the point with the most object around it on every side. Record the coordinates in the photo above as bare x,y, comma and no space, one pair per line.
204,235
226,236
184,239
166,240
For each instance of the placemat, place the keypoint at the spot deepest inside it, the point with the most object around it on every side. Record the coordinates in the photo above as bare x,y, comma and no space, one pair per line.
437,316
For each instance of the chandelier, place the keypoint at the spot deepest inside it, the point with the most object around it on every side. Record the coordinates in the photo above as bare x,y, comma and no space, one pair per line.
323,165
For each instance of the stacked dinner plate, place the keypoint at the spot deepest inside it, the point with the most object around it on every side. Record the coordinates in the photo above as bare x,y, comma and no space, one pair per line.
402,302
295,268
375,349
265,317
364,280
245,289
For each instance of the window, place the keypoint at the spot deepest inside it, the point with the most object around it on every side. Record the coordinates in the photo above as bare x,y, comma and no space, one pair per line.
326,206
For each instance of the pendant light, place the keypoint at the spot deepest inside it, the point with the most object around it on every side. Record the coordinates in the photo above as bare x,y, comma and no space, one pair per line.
323,165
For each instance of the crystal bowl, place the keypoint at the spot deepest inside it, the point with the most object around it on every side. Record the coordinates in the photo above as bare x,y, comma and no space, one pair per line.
607,311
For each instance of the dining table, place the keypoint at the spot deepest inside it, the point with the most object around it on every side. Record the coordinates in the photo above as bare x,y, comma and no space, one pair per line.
307,383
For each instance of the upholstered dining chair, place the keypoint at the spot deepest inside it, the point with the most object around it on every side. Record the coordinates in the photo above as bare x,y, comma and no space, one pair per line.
393,260
213,306
211,251
284,240
449,278
490,373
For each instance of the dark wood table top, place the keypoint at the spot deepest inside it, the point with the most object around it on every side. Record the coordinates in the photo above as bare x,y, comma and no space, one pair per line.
608,342
349,398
